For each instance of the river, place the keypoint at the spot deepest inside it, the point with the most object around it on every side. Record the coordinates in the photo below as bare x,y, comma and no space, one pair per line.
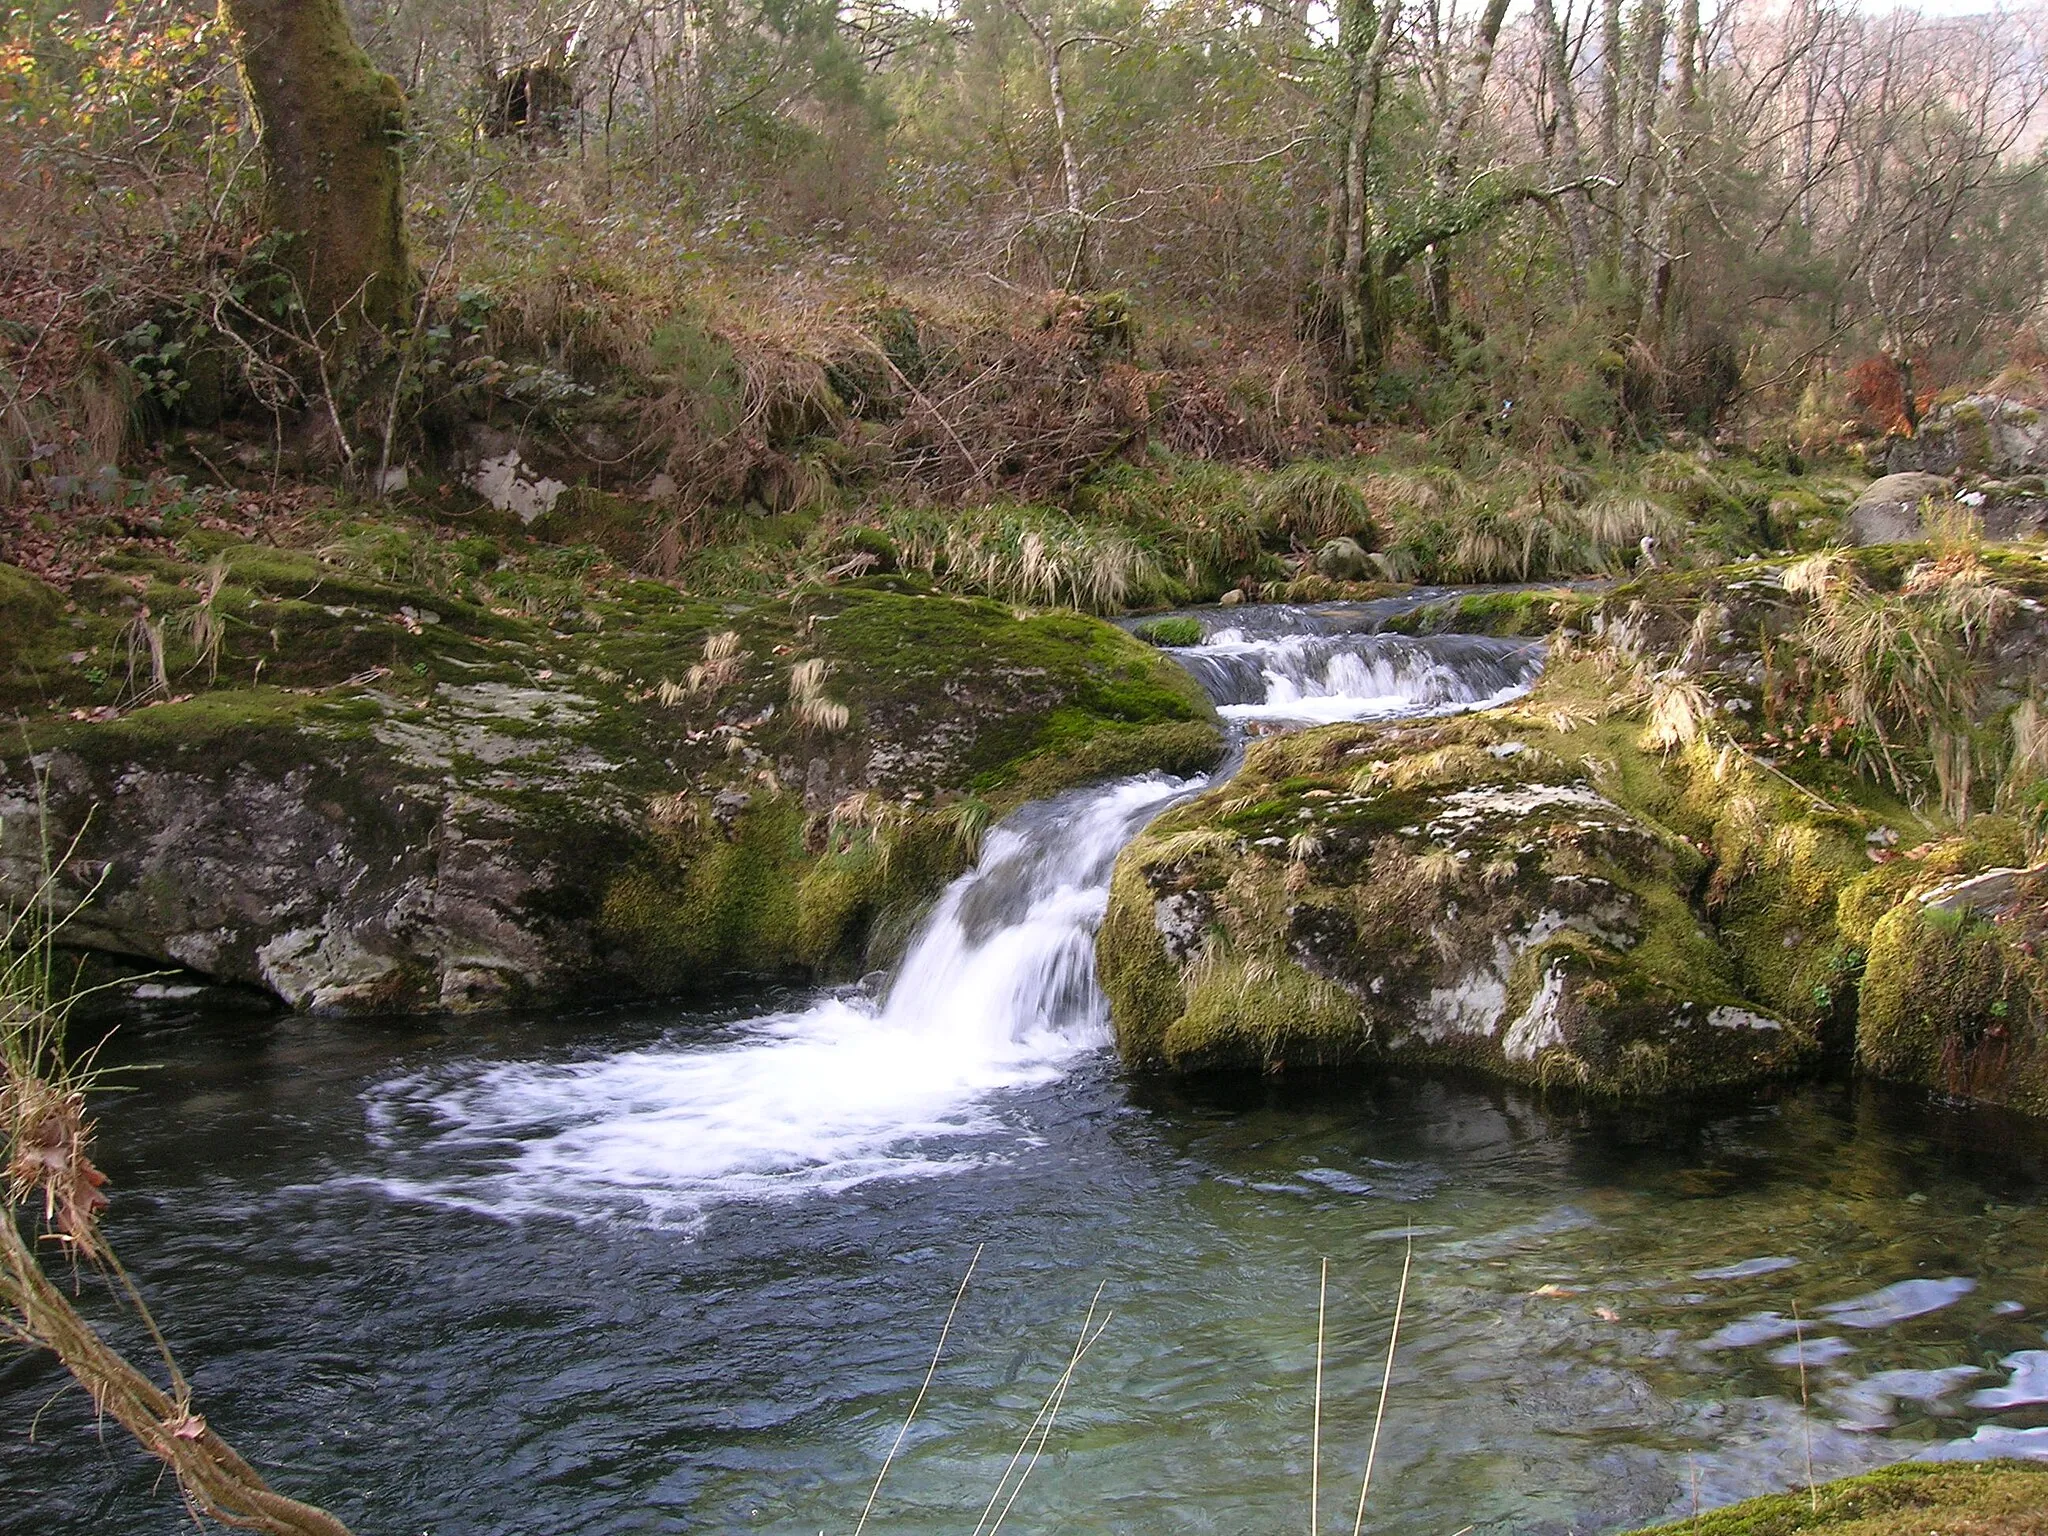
668,1269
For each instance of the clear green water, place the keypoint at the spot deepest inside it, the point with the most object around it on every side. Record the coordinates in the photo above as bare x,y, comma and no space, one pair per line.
360,1312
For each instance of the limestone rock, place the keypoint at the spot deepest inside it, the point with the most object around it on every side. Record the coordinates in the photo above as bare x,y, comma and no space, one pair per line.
524,815
1979,434
1344,560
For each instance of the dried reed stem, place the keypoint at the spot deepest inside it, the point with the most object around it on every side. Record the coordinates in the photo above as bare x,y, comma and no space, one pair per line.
918,1402
214,1479
1805,1412
1386,1381
1315,1438
1047,1412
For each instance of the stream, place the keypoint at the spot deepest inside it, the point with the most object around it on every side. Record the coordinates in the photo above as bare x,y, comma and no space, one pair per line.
667,1269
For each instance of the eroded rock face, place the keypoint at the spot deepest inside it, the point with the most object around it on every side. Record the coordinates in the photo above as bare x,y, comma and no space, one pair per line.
1979,434
1447,892
522,813
341,874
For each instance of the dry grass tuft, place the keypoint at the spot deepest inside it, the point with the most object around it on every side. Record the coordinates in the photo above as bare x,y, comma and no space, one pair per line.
807,699
721,667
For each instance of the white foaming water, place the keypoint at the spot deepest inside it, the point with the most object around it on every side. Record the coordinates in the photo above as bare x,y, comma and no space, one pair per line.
997,992
1309,679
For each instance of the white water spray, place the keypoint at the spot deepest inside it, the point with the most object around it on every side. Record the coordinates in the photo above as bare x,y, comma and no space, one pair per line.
997,992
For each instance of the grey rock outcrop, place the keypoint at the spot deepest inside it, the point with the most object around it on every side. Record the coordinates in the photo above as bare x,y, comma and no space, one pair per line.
1979,434
1888,511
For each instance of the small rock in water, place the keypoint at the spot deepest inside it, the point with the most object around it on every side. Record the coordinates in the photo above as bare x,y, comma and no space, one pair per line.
1757,1328
2029,1382
1811,1351
1896,1303
1746,1268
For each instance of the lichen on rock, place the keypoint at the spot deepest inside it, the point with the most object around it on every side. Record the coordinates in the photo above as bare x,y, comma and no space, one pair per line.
450,808
1450,892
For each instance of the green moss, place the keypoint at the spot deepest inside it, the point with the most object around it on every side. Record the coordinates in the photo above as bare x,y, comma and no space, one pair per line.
581,515
1944,1003
1108,751
1530,611
27,608
1137,975
2000,1498
1267,1012
836,904
1169,631
710,905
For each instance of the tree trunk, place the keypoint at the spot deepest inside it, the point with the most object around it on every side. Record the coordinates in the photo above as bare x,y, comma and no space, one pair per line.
1578,212
1080,274
1360,293
1610,108
1464,98
1649,62
328,124
1685,103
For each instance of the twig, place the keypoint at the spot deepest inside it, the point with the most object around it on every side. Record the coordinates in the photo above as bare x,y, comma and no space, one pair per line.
918,1402
1386,1381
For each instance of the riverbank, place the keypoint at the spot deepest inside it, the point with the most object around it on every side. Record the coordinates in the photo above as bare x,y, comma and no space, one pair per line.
1996,1499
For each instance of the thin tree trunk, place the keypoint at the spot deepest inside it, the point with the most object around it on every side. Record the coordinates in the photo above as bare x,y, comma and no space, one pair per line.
1360,290
1578,212
1610,106
328,123
1467,89
1684,111
1649,61
1081,268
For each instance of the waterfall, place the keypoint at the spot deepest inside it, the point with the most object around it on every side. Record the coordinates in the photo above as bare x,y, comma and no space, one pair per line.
996,992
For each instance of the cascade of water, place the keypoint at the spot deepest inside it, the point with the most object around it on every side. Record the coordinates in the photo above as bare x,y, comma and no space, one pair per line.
997,991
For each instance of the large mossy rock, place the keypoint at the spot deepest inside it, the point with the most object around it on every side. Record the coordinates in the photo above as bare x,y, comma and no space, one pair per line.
1953,987
392,801
1991,1498
1458,892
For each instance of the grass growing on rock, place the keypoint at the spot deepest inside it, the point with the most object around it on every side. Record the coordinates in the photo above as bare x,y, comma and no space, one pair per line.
563,700
2001,1498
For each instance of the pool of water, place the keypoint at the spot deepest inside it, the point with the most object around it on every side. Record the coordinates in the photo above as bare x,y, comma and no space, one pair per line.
409,1273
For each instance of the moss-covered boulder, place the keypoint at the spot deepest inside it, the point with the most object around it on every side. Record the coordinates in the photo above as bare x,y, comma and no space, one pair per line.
28,613
1953,989
1994,1498
1458,892
368,796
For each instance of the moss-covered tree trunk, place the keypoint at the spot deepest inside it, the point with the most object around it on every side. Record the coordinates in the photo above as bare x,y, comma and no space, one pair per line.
328,122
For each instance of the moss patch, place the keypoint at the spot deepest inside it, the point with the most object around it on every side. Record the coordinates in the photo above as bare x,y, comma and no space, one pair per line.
1474,891
1980,1499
